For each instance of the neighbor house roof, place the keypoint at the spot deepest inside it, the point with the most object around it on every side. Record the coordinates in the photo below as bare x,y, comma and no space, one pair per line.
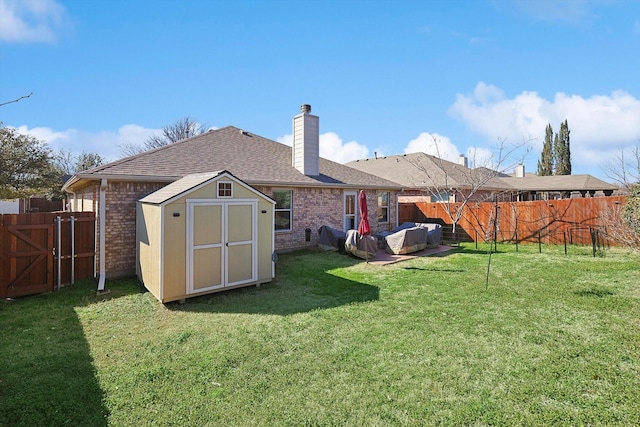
581,182
249,157
420,170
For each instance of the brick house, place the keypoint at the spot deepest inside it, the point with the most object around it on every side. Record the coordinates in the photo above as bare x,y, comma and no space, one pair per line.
309,191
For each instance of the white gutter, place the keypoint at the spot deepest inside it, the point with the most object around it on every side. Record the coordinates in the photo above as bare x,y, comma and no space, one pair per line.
103,238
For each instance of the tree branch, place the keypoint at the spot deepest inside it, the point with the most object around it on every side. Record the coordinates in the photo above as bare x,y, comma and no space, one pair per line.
16,100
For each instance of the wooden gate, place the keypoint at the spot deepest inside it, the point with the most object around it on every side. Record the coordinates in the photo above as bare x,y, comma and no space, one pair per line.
41,251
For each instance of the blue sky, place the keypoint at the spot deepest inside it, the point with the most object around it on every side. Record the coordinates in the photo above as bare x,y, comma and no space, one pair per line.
385,77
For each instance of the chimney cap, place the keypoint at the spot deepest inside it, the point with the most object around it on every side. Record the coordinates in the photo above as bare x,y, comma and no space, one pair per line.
305,108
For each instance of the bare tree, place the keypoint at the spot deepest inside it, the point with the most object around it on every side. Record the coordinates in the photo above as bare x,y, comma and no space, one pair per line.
67,163
617,229
457,185
624,168
182,129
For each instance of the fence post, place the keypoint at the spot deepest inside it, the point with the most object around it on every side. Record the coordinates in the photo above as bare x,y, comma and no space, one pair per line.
593,240
539,243
59,249
72,224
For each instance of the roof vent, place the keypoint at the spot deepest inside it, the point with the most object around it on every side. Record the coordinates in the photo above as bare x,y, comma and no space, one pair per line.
244,132
305,108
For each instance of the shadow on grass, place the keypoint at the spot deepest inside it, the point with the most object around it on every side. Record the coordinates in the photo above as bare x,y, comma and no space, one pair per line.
304,282
445,270
594,292
47,375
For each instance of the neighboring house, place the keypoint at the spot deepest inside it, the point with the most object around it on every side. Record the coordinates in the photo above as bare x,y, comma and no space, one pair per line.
30,205
309,191
11,206
426,176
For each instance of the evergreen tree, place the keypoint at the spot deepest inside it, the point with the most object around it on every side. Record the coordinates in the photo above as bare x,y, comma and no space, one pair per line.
545,164
562,150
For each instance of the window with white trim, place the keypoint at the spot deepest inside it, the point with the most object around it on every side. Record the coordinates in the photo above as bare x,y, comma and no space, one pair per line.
283,209
383,207
441,197
225,189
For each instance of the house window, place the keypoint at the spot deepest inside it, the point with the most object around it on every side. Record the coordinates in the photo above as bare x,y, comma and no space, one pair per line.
283,209
383,207
440,198
224,189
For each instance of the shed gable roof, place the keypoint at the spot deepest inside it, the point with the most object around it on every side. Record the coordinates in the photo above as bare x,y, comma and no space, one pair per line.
190,183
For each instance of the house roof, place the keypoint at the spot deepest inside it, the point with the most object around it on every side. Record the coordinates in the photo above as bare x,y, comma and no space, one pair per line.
580,182
251,158
420,170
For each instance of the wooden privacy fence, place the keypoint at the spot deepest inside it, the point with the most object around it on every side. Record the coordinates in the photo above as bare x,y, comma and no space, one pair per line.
39,252
550,221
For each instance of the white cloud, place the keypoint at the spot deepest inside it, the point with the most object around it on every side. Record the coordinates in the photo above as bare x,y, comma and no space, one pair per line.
105,143
482,157
569,11
333,148
434,144
30,20
597,123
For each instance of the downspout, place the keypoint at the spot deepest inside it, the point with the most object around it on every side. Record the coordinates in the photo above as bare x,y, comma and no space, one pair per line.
71,202
103,226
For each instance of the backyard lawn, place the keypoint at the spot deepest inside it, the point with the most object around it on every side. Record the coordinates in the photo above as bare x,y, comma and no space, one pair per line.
553,340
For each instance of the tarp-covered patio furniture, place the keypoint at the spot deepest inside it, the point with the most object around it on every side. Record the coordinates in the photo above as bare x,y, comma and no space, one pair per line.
364,247
331,239
412,237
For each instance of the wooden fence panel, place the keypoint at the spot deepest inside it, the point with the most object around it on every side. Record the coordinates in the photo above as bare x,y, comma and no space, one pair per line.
551,221
31,261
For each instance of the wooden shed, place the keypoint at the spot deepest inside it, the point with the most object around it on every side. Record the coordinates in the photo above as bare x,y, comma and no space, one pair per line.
204,233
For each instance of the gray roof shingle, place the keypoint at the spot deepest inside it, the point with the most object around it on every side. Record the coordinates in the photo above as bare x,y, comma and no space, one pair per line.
251,158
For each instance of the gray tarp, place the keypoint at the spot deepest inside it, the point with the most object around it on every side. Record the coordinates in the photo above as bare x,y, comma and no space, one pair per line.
412,237
330,239
364,247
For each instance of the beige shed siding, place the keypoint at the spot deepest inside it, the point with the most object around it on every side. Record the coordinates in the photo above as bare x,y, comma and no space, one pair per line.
173,264
265,239
148,223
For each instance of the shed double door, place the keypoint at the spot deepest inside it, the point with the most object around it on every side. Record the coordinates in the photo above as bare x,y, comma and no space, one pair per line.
221,244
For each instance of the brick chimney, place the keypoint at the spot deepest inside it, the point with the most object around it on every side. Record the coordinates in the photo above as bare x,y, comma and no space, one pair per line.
306,142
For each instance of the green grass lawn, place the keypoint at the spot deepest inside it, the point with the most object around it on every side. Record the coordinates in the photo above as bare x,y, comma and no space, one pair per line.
554,340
